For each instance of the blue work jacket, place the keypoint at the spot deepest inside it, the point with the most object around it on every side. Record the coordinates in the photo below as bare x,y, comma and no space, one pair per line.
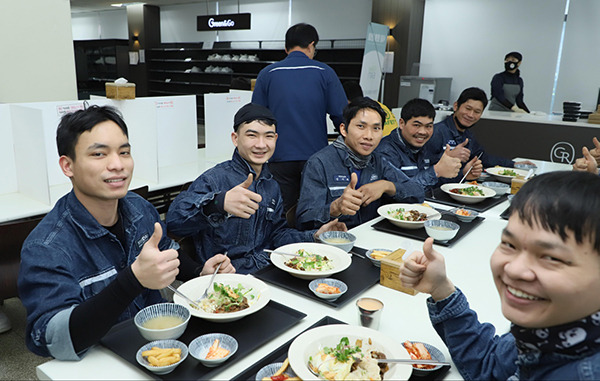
326,175
243,239
69,257
480,354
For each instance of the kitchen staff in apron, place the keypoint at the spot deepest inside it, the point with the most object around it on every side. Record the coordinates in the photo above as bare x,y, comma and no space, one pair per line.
507,87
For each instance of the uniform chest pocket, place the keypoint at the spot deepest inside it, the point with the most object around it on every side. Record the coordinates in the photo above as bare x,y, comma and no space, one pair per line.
94,284
336,191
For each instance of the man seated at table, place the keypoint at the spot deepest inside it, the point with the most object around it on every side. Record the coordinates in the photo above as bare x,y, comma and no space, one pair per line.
590,159
454,131
101,253
405,148
547,272
236,207
347,179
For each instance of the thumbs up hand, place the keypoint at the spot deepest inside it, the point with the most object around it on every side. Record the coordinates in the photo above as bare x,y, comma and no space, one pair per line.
460,151
447,166
240,201
153,268
426,272
349,202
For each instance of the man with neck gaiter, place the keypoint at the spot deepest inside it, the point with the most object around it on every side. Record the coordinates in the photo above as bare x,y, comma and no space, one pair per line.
405,148
346,179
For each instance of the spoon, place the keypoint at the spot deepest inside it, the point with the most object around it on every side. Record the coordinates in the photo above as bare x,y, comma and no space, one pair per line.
281,253
205,294
195,304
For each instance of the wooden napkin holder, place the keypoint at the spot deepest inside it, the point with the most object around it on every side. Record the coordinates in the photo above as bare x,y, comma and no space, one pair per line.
390,272
124,91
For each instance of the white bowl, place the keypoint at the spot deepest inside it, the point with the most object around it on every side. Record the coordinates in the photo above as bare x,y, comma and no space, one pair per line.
472,214
161,344
268,370
436,355
340,259
310,342
343,240
496,186
385,210
195,288
200,345
376,262
441,230
495,172
330,282
466,199
160,310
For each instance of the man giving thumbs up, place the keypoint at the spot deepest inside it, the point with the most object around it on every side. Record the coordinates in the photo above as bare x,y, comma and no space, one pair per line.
236,206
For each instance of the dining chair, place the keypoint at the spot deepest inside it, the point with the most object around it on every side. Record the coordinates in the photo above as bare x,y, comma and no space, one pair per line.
13,235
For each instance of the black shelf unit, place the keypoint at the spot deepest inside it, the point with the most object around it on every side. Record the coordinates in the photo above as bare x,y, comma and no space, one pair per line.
179,68
98,62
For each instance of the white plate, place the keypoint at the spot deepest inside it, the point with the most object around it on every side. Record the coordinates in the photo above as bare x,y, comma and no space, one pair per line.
383,212
466,199
195,288
495,171
310,342
341,259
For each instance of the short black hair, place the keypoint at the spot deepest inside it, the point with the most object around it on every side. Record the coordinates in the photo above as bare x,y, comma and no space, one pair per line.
562,202
417,107
361,103
300,35
352,90
474,93
72,125
516,55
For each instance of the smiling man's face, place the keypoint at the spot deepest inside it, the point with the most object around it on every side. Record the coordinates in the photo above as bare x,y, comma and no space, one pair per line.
364,131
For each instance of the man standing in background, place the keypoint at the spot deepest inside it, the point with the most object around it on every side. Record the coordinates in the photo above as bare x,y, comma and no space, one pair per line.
299,91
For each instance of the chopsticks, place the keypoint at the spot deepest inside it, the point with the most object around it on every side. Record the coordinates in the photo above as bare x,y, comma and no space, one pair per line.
469,171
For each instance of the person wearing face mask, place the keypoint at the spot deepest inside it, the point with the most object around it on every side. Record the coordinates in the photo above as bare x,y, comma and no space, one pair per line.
507,87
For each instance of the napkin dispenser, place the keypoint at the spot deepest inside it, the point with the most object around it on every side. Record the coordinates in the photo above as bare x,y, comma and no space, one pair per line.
390,272
120,89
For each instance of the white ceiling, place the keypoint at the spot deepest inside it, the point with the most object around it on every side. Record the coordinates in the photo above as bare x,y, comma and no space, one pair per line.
78,6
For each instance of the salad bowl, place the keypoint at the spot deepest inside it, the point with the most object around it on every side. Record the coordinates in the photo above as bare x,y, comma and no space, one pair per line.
337,260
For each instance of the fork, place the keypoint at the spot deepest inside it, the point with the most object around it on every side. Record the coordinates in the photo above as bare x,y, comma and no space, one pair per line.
205,294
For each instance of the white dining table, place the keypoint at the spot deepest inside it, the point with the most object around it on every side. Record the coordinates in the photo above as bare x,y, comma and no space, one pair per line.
404,316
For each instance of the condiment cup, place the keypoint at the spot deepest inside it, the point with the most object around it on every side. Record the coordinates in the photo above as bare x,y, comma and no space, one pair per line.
472,214
161,344
436,355
200,345
498,187
346,239
376,262
161,310
369,312
441,230
330,282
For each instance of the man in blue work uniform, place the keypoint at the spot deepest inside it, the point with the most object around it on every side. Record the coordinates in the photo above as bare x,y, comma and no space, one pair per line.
404,147
300,92
236,206
346,180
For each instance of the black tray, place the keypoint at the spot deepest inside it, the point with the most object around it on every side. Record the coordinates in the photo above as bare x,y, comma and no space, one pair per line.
124,339
420,234
504,215
279,355
359,276
441,197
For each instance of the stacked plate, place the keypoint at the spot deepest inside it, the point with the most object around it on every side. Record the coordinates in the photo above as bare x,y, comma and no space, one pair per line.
571,111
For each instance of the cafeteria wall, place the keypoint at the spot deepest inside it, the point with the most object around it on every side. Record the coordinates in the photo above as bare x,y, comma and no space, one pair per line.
37,61
334,19
467,40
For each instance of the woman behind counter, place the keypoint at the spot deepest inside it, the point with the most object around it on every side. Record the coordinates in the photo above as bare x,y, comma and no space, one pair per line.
507,87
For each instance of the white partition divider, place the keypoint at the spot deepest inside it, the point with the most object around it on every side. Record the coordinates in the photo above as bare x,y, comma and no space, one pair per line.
30,153
8,170
219,110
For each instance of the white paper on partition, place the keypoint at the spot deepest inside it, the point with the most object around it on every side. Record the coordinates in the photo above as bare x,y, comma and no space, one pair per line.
30,153
219,110
8,169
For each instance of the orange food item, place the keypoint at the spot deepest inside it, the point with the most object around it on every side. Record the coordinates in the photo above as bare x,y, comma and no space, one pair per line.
324,288
463,212
417,351
216,352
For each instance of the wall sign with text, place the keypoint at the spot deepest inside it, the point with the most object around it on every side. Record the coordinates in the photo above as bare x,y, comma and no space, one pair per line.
232,21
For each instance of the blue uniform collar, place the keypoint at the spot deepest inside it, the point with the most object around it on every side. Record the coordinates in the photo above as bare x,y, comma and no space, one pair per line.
241,165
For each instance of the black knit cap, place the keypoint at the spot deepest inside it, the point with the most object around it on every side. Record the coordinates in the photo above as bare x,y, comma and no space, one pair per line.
251,112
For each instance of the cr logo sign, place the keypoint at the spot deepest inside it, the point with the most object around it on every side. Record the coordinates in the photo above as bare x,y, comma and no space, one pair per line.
562,152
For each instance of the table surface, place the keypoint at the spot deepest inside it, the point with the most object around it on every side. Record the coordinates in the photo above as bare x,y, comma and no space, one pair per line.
404,316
